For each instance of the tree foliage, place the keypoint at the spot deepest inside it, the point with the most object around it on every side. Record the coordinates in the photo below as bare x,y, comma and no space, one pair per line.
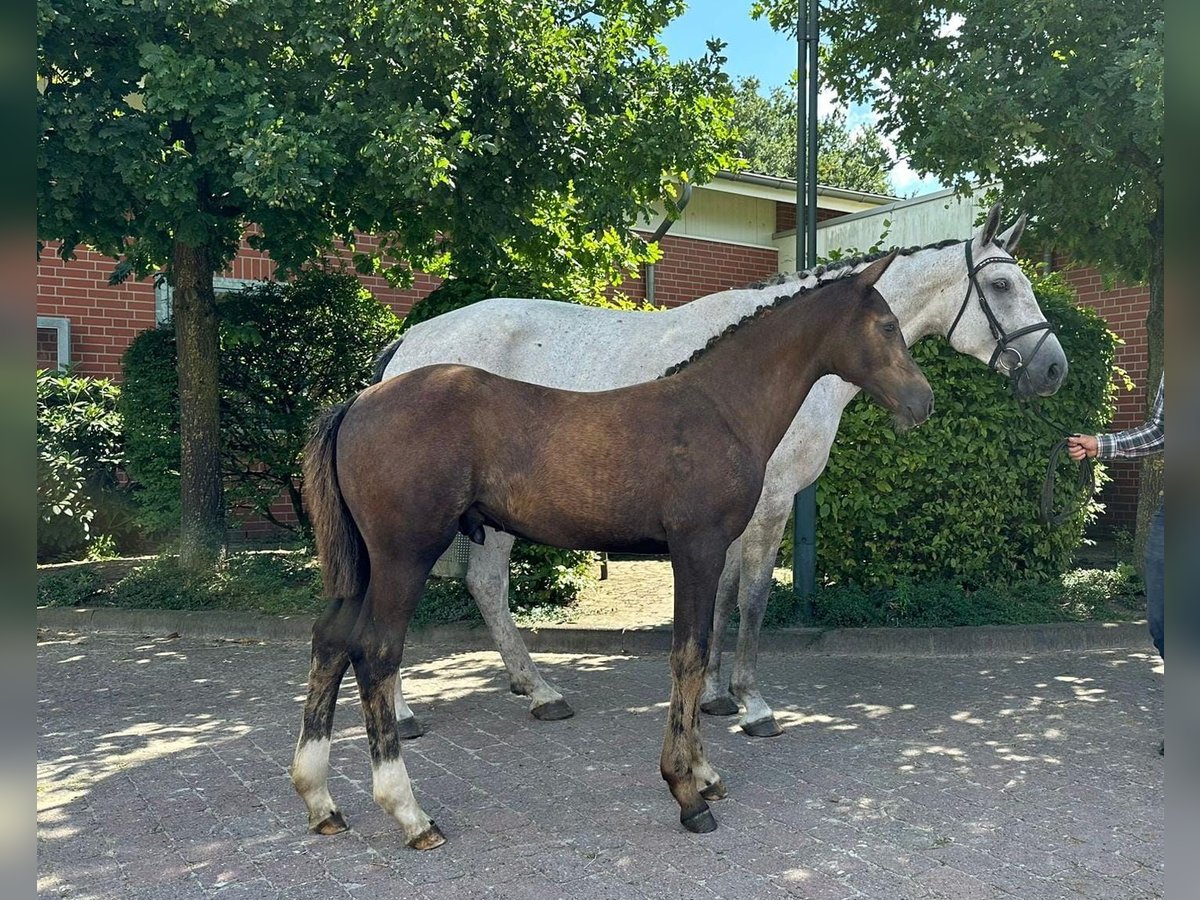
1059,100
766,126
462,136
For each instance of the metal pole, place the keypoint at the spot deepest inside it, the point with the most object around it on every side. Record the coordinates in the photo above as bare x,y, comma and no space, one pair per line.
804,504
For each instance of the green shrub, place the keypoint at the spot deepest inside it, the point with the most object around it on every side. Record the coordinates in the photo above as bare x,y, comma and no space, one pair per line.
75,588
956,500
287,352
80,450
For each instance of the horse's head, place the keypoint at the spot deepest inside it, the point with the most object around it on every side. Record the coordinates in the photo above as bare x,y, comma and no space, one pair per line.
875,356
999,320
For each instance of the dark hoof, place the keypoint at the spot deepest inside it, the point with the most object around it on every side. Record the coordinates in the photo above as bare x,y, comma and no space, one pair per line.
700,823
409,728
763,728
722,706
553,711
428,839
331,824
715,791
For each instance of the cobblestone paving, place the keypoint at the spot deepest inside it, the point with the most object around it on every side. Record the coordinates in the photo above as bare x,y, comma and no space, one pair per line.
162,773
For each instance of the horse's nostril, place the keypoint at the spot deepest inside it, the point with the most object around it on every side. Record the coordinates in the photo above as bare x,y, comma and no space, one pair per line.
1054,371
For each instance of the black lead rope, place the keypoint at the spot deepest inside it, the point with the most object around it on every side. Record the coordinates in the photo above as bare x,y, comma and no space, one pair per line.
1085,482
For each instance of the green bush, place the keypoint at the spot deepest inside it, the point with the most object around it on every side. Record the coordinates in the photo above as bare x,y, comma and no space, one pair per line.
287,352
79,446
957,499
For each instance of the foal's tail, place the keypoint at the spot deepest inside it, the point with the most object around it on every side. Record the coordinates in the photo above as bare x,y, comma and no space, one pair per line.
345,566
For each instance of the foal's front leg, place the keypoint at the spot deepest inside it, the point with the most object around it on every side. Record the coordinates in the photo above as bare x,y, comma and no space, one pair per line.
697,566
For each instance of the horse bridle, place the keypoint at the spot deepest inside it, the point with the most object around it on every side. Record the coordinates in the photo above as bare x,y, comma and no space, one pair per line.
1009,359
1006,357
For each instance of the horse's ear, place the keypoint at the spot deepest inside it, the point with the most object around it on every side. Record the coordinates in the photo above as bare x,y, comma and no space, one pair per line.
990,227
1010,238
867,277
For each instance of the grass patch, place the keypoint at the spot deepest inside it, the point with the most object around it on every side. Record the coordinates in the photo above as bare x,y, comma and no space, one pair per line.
1082,595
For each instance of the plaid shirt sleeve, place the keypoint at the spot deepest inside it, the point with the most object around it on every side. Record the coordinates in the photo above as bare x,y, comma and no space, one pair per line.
1144,440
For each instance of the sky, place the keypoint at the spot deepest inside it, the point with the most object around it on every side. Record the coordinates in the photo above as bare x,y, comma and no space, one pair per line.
754,49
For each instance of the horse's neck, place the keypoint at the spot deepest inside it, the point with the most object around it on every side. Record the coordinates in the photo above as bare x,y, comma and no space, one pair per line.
758,376
924,290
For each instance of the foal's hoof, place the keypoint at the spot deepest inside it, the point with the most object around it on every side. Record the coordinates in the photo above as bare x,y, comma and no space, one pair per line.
428,839
763,728
714,791
409,728
721,706
700,823
553,711
331,824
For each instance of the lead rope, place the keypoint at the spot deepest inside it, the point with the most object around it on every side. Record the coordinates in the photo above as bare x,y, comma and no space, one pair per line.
1085,483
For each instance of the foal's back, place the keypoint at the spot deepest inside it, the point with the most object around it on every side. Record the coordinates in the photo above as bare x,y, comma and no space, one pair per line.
601,470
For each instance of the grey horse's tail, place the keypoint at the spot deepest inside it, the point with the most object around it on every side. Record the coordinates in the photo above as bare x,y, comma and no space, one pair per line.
345,566
384,357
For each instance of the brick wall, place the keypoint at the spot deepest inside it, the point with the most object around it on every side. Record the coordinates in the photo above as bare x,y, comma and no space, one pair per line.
47,348
785,215
1124,308
105,318
692,268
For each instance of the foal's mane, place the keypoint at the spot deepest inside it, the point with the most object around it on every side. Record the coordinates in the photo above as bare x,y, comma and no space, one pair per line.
825,274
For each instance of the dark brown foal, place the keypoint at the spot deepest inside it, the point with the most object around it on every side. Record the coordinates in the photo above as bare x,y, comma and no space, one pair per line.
675,464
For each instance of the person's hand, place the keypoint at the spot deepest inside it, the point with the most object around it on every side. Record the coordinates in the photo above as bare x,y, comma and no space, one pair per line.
1081,445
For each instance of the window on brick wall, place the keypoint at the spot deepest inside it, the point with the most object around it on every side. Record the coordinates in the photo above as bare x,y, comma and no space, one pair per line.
164,294
53,342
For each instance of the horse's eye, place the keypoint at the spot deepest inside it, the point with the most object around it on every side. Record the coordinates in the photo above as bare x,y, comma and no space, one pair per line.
890,327
1000,284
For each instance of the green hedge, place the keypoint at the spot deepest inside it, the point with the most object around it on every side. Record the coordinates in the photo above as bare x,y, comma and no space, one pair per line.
957,498
81,507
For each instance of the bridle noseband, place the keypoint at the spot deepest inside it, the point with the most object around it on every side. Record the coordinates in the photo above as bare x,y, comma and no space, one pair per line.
1006,357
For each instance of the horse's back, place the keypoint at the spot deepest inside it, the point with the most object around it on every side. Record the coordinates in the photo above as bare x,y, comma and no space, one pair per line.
566,345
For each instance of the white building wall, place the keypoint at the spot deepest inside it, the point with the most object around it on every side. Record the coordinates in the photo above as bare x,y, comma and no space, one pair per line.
916,222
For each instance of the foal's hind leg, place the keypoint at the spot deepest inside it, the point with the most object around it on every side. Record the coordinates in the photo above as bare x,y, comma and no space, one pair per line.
376,651
715,699
760,544
487,580
310,766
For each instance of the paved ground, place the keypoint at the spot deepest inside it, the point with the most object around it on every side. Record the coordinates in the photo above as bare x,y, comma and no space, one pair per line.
162,774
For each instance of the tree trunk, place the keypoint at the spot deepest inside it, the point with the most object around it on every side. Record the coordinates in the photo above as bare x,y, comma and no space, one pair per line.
195,314
1150,490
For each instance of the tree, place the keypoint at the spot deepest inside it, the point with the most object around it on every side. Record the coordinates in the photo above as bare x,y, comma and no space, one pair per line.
767,141
463,136
1060,101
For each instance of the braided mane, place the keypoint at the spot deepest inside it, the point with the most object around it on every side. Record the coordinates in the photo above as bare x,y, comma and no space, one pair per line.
835,271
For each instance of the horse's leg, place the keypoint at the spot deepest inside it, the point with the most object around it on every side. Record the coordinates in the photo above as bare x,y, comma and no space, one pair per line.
487,580
310,766
760,544
715,699
375,651
697,565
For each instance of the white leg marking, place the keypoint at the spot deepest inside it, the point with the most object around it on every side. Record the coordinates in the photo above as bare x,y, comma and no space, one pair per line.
393,791
310,775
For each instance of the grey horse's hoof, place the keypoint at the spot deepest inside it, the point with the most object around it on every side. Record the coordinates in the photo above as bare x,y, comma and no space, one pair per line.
553,711
714,791
409,728
721,706
428,839
333,823
767,727
700,823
